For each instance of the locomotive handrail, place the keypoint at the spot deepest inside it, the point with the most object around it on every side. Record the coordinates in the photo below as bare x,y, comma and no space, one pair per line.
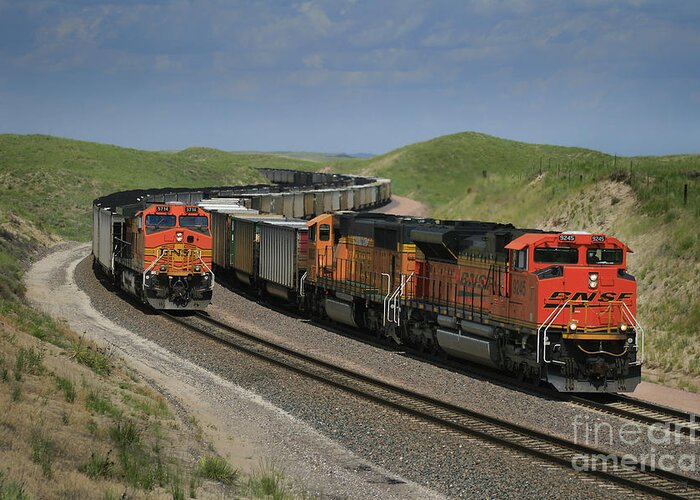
638,330
143,276
397,295
213,278
549,321
391,299
385,303
301,283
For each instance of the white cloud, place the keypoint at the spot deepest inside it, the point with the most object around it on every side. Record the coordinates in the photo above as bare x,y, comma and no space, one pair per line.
165,62
313,61
317,17
388,31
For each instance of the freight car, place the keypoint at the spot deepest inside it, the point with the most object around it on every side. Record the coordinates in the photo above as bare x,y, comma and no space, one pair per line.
265,251
161,254
553,307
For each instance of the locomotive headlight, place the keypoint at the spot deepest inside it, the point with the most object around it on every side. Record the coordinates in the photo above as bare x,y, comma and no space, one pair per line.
163,268
593,280
178,236
622,327
573,325
630,340
197,268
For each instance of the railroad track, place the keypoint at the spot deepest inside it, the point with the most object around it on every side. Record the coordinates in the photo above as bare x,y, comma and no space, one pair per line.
630,408
527,441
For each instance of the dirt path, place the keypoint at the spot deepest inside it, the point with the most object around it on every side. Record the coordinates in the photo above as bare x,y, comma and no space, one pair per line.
243,426
667,396
404,206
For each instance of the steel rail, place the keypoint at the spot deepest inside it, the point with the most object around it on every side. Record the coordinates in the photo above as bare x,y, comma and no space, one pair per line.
645,412
604,465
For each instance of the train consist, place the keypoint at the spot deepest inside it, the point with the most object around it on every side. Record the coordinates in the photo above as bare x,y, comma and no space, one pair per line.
157,245
552,307
549,307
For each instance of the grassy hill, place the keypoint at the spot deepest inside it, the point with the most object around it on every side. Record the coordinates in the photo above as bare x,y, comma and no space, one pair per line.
52,182
640,199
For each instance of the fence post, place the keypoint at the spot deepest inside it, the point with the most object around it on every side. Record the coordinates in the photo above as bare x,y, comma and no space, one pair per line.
685,194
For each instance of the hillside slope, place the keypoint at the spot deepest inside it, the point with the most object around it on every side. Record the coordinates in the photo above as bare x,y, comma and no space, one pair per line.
52,182
476,176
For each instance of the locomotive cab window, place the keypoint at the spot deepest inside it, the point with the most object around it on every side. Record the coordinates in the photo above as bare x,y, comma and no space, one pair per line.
324,232
556,255
195,222
604,256
157,222
312,233
520,260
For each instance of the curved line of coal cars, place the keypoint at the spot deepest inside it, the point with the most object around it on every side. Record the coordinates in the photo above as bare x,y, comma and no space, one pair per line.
552,307
156,244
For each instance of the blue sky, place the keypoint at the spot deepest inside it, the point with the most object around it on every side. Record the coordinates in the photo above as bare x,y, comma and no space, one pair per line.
353,76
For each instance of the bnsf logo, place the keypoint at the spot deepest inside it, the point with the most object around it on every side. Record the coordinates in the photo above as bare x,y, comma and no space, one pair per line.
180,252
589,297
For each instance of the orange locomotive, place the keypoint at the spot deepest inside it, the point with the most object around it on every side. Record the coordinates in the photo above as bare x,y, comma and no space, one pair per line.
161,254
552,307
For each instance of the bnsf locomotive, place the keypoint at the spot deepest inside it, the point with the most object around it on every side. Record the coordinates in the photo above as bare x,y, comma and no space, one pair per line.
553,307
161,253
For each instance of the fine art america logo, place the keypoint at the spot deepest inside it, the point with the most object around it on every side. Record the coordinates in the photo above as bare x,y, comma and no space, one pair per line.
651,446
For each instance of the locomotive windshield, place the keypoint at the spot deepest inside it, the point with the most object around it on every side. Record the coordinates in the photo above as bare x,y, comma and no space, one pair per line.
604,256
556,255
157,222
196,222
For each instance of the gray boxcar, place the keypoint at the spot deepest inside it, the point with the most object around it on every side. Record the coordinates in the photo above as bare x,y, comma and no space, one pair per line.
244,240
282,257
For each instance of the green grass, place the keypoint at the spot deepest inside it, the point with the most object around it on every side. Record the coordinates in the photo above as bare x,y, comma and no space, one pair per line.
16,393
149,407
67,387
43,451
11,490
52,181
38,324
92,357
28,361
137,466
217,469
268,482
98,466
11,286
99,403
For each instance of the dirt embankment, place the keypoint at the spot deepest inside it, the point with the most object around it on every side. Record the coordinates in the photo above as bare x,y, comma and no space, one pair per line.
404,206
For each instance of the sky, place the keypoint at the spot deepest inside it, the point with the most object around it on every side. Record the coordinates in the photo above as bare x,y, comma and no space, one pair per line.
368,76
